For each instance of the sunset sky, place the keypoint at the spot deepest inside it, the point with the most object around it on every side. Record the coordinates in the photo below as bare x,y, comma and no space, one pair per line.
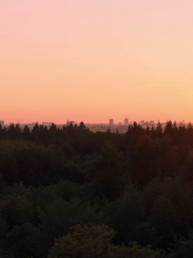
91,60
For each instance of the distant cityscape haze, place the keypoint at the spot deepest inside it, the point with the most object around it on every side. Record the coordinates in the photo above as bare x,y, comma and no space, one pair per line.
113,126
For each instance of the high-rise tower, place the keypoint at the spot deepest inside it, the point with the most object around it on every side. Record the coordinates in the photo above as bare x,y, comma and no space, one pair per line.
111,121
126,121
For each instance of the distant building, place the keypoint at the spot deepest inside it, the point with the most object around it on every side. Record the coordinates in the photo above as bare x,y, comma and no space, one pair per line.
111,121
2,123
126,121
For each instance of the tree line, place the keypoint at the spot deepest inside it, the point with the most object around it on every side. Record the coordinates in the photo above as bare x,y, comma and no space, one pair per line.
69,192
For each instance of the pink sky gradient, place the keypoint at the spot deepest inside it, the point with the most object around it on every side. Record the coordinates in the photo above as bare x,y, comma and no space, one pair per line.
92,60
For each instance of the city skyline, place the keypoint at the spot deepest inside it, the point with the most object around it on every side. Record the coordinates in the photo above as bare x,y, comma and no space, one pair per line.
109,122
102,121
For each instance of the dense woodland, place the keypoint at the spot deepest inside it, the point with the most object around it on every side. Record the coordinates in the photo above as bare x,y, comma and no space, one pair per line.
77,194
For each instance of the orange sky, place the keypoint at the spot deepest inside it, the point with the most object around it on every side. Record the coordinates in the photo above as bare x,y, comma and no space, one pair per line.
92,60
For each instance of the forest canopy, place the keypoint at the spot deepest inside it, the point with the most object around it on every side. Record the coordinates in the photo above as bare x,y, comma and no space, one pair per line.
70,192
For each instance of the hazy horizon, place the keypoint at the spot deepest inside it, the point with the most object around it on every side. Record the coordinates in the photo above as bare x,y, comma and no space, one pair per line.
116,122
93,60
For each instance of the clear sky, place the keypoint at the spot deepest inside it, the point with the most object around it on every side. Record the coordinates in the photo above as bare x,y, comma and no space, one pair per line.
91,60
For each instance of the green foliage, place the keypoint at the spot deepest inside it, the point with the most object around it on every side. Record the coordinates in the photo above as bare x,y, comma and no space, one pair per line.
183,247
15,206
138,184
91,241
60,215
106,173
125,213
86,241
